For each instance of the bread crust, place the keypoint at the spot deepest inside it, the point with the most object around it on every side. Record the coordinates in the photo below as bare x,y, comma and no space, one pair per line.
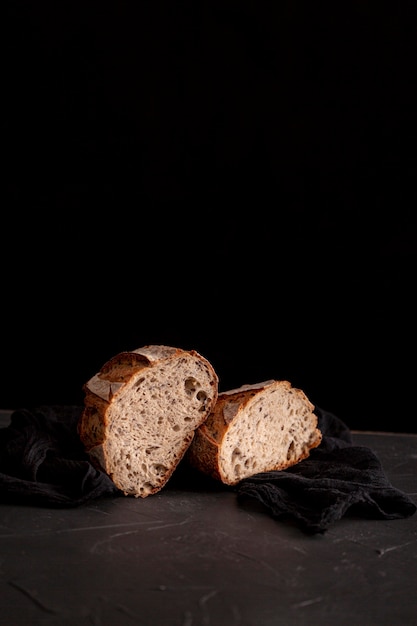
141,411
259,446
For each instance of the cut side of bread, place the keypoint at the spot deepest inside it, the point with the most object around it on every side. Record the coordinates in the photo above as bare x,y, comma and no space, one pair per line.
255,428
141,411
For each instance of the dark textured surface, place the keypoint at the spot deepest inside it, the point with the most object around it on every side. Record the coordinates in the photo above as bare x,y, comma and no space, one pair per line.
192,555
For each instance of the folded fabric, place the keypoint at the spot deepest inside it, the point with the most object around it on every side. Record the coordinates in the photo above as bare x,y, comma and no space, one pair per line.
43,463
336,478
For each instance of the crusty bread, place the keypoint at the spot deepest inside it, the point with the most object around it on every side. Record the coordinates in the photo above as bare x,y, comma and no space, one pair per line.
141,411
255,428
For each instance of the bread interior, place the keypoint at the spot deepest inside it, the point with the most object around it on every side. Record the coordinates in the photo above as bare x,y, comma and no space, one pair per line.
151,423
274,430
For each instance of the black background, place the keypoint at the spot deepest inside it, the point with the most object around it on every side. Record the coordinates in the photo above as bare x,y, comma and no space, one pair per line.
232,177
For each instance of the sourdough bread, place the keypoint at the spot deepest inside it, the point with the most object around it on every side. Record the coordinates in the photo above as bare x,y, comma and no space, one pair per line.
255,428
141,411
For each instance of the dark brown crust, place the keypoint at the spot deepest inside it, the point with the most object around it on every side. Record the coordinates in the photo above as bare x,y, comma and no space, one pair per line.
121,367
203,453
92,422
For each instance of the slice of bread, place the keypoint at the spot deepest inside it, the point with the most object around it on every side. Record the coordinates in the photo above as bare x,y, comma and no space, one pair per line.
141,411
255,428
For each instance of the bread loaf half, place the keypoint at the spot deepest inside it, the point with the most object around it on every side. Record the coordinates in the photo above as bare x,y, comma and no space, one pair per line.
141,411
255,428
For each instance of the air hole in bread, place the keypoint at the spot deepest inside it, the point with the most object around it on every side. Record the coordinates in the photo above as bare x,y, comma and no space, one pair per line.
202,397
160,469
290,452
190,386
237,471
150,449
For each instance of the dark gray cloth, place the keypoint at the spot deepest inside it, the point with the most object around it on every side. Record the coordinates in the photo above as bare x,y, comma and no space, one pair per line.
43,462
337,478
